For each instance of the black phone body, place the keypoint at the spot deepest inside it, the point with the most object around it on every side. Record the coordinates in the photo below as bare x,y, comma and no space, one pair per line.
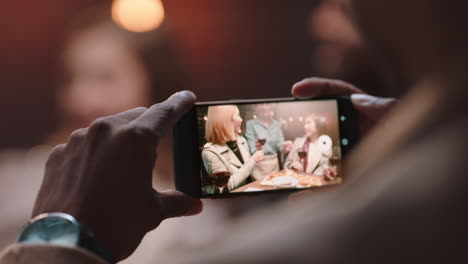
197,162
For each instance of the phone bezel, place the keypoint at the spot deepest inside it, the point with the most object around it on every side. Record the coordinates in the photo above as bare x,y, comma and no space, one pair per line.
187,153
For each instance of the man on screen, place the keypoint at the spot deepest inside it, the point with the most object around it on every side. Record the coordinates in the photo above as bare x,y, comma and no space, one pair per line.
266,133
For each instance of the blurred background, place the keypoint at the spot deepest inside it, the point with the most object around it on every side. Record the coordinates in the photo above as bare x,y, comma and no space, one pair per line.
223,49
228,49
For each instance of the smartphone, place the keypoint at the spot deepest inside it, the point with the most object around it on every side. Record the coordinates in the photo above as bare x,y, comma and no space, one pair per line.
245,147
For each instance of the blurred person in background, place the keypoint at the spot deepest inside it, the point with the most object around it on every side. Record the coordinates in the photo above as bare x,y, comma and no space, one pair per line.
339,51
104,70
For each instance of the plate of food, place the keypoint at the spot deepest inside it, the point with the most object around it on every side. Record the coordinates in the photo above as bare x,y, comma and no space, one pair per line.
285,182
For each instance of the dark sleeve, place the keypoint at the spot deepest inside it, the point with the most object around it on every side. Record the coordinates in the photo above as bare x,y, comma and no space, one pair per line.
47,254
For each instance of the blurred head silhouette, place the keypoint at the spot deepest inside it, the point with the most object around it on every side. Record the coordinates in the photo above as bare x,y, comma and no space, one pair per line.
102,75
417,37
338,49
107,69
335,38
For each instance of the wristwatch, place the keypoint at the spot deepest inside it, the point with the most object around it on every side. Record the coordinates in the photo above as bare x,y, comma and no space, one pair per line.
61,229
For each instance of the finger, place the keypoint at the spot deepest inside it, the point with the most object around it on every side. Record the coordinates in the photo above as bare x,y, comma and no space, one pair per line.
372,107
129,115
319,87
56,154
162,116
175,204
53,162
76,137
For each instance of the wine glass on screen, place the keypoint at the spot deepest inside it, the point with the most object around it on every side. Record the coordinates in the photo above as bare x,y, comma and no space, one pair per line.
302,154
334,160
221,179
261,142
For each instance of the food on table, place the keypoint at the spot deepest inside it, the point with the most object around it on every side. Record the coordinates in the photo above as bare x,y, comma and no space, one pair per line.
304,180
315,181
285,182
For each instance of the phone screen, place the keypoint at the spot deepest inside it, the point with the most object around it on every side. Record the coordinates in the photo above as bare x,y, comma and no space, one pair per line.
263,147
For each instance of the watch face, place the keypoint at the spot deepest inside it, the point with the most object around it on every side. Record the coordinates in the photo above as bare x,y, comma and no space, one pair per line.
52,229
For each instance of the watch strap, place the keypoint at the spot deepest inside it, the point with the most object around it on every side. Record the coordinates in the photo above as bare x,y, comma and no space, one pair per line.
87,241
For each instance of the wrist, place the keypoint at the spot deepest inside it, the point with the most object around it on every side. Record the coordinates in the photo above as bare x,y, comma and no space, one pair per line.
63,230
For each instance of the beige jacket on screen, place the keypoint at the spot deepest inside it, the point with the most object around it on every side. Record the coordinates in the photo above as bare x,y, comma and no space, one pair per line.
219,157
317,160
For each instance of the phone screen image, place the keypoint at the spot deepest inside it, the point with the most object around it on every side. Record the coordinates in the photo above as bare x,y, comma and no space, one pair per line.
262,147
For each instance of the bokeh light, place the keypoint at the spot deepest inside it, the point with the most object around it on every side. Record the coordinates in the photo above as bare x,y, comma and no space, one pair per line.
138,15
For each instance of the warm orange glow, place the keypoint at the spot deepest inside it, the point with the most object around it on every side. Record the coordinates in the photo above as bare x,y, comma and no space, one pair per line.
138,15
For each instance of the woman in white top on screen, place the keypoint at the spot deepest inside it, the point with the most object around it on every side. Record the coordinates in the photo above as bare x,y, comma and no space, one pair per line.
314,160
226,150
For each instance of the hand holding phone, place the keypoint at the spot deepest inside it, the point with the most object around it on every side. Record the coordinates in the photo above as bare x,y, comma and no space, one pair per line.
369,109
86,167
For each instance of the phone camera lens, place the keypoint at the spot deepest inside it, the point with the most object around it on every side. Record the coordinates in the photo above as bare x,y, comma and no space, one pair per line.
344,142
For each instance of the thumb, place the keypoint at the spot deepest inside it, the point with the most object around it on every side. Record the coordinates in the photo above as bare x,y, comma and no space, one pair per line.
372,107
319,87
175,204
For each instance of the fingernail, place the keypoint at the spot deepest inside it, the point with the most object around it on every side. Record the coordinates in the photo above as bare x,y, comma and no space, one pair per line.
187,94
299,82
360,98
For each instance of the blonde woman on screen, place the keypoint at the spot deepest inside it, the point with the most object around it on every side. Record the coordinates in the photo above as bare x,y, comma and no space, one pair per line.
226,150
